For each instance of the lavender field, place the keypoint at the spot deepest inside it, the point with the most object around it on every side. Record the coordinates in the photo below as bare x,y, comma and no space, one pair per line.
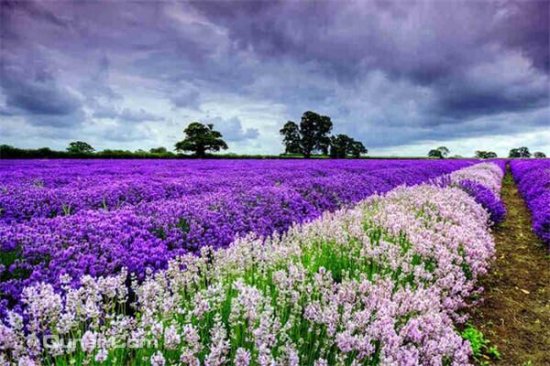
244,262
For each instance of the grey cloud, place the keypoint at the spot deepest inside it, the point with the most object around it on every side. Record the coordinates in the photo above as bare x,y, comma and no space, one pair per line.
139,115
380,135
426,39
526,26
97,87
475,102
125,114
118,133
186,98
105,111
232,129
31,89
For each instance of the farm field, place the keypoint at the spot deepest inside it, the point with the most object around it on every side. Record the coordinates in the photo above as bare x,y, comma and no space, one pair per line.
339,262
274,183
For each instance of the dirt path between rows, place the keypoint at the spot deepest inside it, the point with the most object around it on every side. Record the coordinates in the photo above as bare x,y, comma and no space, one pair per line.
515,315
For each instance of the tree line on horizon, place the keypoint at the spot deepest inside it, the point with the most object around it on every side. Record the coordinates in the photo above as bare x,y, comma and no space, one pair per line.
311,137
519,152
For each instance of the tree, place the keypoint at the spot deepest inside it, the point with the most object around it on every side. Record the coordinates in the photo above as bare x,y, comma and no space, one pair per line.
440,152
158,150
314,131
339,145
481,154
444,151
357,148
520,152
80,147
291,137
343,145
313,135
435,153
200,138
539,155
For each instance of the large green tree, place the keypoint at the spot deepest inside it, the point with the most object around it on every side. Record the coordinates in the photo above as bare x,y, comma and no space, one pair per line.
314,133
339,146
80,147
444,151
356,148
200,139
440,152
291,137
343,145
435,153
520,152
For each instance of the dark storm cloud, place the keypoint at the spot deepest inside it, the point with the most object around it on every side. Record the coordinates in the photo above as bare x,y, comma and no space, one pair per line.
389,73
32,90
38,93
29,82
527,28
430,44
466,103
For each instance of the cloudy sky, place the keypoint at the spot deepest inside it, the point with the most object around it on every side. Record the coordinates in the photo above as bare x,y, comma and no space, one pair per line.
401,76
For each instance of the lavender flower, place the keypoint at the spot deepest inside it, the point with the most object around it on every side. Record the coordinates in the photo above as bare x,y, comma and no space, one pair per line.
158,359
88,341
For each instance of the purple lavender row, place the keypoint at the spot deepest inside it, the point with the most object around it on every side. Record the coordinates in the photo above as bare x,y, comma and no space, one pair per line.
533,179
483,182
147,235
59,188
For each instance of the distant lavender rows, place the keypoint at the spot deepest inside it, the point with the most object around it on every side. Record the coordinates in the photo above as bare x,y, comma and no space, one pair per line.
95,217
533,179
35,188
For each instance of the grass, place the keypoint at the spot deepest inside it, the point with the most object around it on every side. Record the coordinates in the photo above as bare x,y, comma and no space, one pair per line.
481,346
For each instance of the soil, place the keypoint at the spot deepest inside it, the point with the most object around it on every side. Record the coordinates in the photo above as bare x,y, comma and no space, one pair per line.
515,315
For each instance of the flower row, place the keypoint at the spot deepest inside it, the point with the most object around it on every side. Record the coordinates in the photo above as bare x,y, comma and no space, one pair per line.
483,182
533,179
